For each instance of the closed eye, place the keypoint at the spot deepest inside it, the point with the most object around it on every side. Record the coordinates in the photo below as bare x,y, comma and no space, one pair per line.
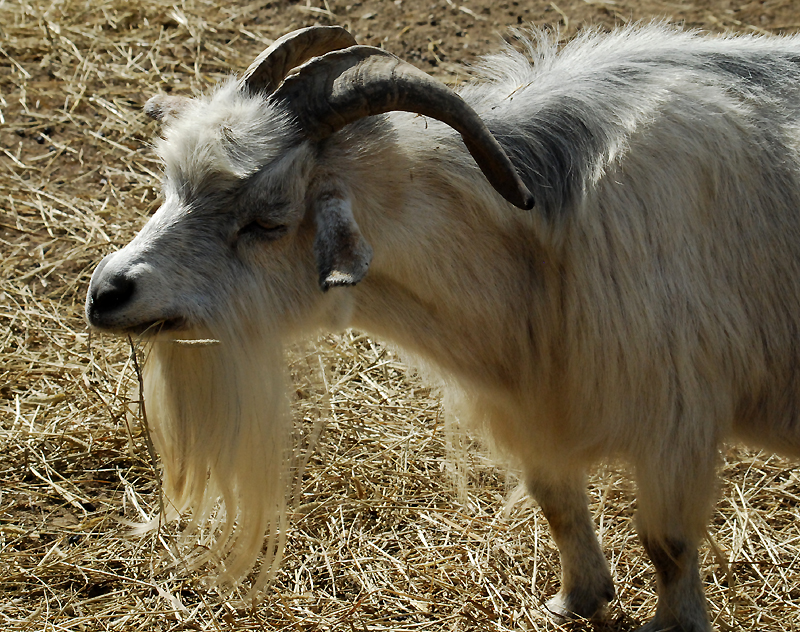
260,228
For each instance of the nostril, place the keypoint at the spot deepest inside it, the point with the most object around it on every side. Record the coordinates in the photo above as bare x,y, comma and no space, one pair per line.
111,293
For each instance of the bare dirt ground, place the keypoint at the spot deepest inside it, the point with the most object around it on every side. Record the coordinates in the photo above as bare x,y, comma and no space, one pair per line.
379,540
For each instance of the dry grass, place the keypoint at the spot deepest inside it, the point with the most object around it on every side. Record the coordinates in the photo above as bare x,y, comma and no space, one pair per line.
380,540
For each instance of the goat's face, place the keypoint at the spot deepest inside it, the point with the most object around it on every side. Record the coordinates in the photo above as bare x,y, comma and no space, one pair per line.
247,224
250,235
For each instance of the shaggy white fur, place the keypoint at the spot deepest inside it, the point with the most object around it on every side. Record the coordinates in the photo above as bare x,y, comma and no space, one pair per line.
648,309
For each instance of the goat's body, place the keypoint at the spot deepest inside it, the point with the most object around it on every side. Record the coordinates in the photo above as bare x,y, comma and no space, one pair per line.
659,315
649,310
668,283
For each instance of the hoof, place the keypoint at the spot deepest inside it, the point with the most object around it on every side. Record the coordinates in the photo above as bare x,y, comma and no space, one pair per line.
571,606
653,627
658,626
558,611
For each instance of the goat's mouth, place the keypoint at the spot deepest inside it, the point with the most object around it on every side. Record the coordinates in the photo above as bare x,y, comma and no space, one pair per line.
153,329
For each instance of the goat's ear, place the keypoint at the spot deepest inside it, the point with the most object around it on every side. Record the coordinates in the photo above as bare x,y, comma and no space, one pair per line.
163,107
343,255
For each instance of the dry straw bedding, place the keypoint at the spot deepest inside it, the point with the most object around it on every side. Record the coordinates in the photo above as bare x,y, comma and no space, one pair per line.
380,539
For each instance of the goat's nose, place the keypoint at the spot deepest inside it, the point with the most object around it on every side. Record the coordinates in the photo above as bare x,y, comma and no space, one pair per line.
112,292
108,291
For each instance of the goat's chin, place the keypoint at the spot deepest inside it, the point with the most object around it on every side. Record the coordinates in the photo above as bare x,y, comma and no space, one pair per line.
149,330
219,416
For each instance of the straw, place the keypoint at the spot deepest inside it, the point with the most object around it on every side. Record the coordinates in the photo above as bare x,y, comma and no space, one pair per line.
380,537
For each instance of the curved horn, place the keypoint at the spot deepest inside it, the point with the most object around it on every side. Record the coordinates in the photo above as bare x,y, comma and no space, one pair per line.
329,92
293,49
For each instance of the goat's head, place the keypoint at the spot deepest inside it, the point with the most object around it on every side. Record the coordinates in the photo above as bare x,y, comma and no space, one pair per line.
242,195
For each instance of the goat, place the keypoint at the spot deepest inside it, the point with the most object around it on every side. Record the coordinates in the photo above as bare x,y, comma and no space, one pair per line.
647,308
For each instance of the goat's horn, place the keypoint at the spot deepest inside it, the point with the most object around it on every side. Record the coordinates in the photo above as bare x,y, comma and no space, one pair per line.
293,49
331,91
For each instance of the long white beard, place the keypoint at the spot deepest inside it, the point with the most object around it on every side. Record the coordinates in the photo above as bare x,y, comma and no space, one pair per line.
220,420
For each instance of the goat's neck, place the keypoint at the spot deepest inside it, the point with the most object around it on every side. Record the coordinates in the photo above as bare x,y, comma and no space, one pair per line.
445,281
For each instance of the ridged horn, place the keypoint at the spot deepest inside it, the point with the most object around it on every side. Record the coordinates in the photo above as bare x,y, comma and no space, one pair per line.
331,91
293,49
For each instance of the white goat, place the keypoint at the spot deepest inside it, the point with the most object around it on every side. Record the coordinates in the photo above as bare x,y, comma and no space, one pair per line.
647,309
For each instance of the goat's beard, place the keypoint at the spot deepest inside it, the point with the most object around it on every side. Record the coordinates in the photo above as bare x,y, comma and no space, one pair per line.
220,420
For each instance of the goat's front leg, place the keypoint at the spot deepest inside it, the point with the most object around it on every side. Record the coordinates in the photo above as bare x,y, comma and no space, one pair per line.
675,498
586,585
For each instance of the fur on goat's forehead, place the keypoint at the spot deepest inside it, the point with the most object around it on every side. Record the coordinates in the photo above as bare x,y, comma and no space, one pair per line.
228,134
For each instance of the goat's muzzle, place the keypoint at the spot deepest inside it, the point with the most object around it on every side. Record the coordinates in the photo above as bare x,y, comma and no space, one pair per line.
109,301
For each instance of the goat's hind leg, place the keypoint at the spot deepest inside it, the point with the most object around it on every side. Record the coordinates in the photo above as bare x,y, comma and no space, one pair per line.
586,586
